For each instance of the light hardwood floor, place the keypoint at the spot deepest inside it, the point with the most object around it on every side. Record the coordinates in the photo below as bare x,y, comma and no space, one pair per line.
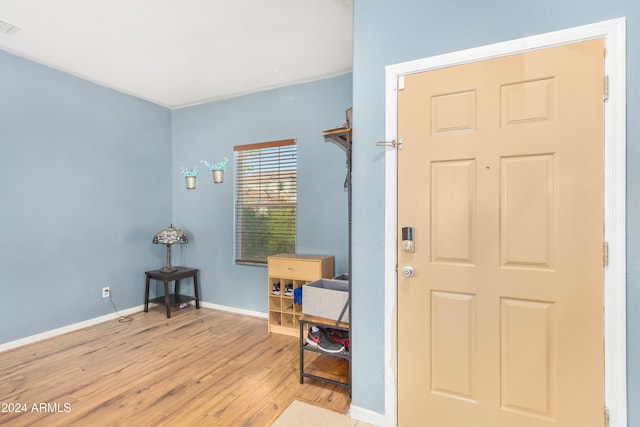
200,368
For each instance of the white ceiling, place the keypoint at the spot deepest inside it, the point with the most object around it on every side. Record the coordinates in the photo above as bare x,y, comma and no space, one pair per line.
183,52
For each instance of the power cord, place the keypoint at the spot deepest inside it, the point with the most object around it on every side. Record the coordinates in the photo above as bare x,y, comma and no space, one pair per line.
121,317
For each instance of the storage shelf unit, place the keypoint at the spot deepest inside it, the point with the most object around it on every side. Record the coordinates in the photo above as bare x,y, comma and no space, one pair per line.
341,137
325,372
296,271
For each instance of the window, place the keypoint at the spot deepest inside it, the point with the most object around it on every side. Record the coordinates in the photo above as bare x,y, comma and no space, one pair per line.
266,200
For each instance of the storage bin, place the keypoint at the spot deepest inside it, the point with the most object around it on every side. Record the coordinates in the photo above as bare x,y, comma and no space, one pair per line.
343,276
326,298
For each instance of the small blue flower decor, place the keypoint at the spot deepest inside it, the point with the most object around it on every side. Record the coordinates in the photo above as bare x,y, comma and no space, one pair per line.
190,176
217,169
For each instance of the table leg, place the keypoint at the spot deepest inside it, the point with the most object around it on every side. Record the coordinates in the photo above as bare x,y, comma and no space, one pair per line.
146,295
167,299
195,289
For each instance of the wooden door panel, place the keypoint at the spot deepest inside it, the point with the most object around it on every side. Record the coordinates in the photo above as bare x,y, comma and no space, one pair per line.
527,235
502,177
528,354
527,103
453,211
453,112
453,347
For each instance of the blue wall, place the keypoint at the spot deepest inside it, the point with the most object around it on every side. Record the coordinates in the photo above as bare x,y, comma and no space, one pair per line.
387,33
84,186
209,131
88,175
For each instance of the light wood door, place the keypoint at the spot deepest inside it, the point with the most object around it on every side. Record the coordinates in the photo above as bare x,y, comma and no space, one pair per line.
501,175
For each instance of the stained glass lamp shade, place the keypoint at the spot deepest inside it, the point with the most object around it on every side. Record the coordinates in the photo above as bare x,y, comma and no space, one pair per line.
170,236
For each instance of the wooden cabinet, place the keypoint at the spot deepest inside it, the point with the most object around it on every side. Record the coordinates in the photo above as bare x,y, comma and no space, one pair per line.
285,274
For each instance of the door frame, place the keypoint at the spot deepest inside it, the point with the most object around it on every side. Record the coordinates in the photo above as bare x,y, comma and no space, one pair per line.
614,33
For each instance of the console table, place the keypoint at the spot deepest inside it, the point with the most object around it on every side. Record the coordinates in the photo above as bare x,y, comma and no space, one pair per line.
175,298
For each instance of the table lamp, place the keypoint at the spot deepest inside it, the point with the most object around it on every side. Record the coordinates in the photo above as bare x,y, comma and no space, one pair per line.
170,236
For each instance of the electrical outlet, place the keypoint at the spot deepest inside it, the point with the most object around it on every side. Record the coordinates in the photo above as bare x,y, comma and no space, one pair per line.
106,292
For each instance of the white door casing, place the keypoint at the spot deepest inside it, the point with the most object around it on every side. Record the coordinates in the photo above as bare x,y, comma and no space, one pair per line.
613,32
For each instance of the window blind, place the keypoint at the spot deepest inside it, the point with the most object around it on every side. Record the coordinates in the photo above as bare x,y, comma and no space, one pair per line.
266,196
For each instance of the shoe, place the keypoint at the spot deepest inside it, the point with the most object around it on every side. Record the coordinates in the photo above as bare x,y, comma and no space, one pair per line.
288,290
275,289
318,337
340,336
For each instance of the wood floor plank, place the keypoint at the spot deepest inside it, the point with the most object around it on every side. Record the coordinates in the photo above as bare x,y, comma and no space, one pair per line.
201,367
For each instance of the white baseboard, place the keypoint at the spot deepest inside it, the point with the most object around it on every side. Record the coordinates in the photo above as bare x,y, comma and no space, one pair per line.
96,320
367,416
66,329
233,310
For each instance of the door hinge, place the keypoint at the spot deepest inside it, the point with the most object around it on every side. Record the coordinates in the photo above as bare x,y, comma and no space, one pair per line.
605,97
605,254
606,417
401,83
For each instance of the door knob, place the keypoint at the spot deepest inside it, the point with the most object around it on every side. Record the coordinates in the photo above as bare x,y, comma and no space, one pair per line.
408,272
